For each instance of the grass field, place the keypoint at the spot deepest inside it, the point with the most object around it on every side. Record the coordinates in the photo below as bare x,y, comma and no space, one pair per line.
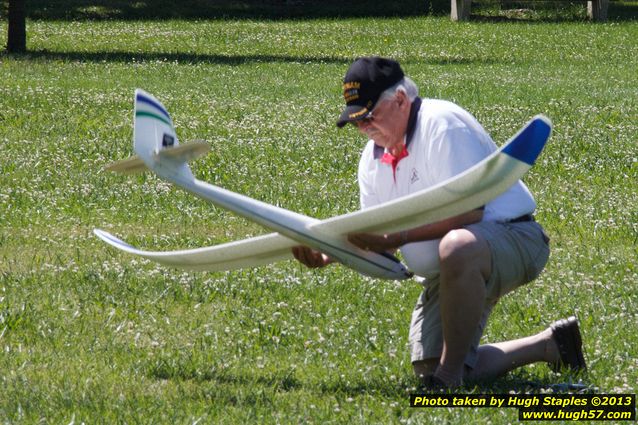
91,335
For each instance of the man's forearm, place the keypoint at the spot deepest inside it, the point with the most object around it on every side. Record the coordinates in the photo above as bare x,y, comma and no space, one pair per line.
436,230
391,241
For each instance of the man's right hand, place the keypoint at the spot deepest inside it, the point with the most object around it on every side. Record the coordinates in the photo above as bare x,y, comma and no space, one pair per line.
310,258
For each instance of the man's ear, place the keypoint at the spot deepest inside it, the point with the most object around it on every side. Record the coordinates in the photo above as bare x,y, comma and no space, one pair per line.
403,99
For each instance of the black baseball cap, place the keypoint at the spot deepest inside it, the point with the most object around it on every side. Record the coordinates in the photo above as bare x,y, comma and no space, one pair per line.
363,84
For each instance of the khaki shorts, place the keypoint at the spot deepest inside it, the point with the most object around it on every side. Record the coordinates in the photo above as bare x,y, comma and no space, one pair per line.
519,253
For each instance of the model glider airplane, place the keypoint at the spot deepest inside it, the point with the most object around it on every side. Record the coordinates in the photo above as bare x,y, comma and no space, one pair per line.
158,150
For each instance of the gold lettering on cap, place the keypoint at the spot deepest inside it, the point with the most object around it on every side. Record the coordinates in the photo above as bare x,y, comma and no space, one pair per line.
356,115
351,90
351,95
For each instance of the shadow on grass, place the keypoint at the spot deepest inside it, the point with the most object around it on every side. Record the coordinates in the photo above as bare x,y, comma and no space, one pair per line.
219,59
619,10
530,384
493,19
182,58
532,12
284,381
531,21
280,381
220,9
623,11
543,12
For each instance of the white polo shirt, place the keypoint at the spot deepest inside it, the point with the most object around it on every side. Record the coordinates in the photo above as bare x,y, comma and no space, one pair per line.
442,140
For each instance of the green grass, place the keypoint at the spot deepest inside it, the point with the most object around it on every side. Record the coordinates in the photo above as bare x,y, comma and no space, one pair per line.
90,335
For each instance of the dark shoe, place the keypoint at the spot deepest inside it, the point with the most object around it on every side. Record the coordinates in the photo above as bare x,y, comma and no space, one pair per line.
570,345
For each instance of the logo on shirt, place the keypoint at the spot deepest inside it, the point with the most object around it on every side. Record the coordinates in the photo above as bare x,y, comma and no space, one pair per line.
414,176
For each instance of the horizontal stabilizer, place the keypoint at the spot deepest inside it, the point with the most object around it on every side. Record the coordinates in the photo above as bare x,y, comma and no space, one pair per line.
181,153
186,152
132,165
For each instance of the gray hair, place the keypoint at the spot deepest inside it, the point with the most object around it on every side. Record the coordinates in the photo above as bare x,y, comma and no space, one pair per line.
406,85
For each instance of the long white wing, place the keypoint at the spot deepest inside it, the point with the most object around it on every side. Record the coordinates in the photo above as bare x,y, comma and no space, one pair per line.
250,252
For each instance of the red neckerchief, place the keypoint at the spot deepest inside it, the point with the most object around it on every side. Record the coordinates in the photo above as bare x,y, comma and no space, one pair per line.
388,158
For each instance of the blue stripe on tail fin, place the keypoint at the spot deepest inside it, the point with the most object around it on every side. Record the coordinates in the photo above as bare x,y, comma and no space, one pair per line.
156,105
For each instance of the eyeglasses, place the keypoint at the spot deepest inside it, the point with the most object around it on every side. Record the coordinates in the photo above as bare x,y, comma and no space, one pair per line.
371,116
363,121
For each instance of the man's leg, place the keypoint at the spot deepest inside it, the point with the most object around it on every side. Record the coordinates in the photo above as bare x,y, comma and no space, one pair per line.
465,262
560,345
496,360
520,251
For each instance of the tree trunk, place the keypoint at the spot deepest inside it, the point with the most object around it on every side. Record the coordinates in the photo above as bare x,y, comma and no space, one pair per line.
17,37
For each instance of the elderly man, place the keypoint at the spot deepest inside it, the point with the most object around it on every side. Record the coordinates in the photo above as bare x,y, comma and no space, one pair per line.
483,254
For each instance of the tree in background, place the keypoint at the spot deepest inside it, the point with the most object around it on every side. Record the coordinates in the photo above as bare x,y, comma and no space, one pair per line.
17,37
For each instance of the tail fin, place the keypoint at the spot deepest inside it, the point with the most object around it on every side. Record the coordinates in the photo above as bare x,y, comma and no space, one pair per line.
153,128
156,143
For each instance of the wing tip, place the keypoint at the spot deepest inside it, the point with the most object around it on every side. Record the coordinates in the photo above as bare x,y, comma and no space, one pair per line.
528,143
113,240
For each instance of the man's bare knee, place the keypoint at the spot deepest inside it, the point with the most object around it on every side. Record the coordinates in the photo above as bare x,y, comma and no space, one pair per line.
425,368
461,251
